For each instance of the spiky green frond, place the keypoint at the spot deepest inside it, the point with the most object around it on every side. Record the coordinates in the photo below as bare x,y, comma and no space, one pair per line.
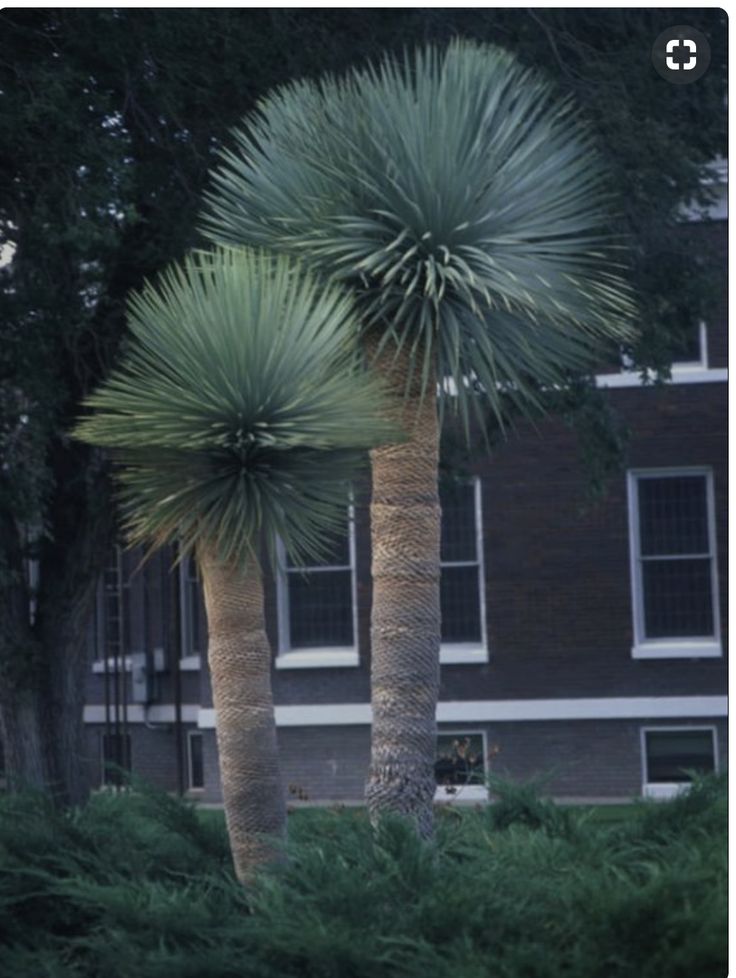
240,408
461,197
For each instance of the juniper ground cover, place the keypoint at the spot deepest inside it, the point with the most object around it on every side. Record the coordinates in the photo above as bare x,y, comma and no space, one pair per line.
140,885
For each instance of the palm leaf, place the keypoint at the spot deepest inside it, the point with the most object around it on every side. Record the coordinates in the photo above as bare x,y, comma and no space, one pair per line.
465,202
241,408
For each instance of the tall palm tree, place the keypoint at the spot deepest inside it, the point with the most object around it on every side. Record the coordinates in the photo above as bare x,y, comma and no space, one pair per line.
238,417
466,203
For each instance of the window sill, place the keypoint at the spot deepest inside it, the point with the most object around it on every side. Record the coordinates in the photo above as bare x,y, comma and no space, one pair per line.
461,653
673,649
664,791
680,375
463,792
190,663
317,659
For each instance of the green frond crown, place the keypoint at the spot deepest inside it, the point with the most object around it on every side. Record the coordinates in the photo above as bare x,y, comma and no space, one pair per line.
462,198
241,407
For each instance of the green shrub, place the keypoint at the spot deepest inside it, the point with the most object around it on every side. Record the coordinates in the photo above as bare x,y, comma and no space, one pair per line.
139,885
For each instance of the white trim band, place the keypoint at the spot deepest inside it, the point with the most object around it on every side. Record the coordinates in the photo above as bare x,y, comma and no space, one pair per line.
317,659
684,375
469,711
458,711
136,713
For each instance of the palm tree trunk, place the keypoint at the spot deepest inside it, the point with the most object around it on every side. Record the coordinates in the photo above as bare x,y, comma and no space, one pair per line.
239,658
405,622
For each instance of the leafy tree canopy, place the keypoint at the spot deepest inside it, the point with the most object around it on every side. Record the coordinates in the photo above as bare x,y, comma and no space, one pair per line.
110,120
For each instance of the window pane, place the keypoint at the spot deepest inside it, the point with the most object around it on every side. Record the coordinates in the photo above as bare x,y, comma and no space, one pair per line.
459,759
460,604
673,515
196,764
320,609
672,752
458,522
678,601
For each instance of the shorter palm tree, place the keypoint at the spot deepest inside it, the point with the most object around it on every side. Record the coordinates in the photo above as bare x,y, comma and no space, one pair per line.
240,415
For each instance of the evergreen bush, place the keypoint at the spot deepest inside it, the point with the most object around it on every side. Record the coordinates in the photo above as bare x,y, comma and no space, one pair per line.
139,885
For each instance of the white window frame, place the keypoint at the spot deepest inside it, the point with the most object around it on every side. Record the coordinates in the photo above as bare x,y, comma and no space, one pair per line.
467,792
688,647
681,372
663,789
190,787
315,658
684,366
454,653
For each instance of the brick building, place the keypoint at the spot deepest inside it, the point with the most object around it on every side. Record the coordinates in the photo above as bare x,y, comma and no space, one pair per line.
582,643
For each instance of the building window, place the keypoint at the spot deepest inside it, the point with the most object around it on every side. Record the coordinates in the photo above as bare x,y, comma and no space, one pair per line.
675,595
193,615
195,760
317,606
461,571
460,766
116,758
692,351
671,755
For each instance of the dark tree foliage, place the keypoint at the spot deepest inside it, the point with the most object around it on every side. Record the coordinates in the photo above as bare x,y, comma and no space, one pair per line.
110,120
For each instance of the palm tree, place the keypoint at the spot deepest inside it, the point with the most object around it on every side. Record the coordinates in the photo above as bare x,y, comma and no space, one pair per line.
467,206
238,416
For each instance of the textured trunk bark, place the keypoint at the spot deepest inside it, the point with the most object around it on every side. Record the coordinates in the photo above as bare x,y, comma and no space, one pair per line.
27,765
405,621
239,658
68,659
44,664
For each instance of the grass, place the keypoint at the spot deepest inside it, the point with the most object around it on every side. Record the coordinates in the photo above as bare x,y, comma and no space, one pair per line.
140,886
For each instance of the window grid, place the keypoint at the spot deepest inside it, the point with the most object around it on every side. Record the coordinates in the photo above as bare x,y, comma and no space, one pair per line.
673,581
475,565
286,573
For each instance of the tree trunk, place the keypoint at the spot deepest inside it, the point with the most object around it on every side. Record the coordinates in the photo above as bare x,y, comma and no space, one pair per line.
405,621
44,663
26,762
239,658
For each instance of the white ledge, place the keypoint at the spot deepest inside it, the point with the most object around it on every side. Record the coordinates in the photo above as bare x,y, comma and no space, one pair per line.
461,653
472,711
680,375
359,714
318,659
461,793
190,663
137,713
664,790
674,649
